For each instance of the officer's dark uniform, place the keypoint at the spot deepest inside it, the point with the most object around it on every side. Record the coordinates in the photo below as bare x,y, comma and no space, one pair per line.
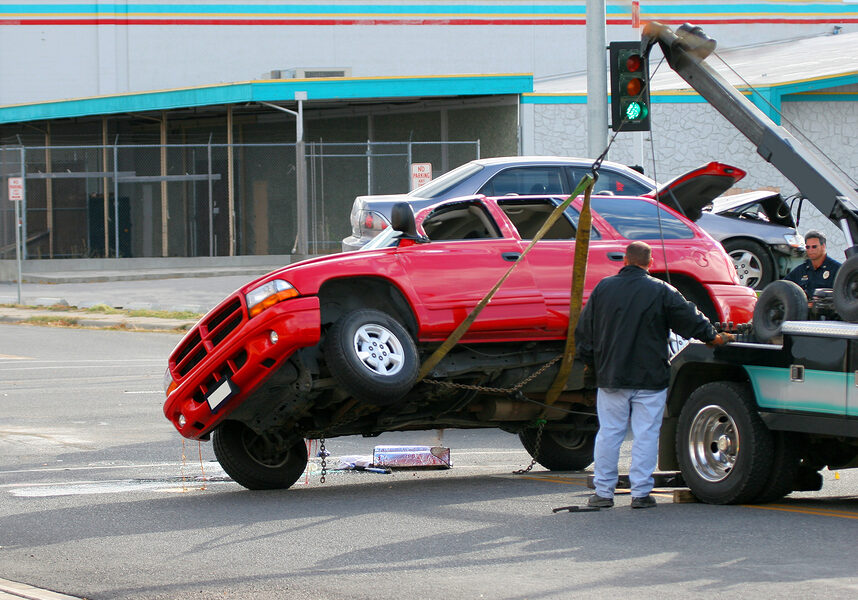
810,279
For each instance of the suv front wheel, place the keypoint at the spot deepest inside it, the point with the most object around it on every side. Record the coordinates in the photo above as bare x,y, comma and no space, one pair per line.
372,356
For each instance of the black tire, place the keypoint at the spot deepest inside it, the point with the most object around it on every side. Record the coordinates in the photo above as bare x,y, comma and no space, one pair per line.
372,356
258,462
846,290
753,262
781,301
783,475
560,450
724,449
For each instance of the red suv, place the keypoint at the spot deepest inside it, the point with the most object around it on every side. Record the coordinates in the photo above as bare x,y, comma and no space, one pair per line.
331,346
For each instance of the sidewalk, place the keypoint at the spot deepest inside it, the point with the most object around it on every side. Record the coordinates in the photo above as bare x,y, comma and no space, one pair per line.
172,290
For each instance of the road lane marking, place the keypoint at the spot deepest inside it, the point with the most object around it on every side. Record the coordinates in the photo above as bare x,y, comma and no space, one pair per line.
22,590
97,361
87,468
819,512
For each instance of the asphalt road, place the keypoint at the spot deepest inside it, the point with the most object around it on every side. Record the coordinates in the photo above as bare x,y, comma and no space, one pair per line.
99,498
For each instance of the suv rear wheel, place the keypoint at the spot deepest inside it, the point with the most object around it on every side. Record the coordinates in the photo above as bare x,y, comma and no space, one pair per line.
568,450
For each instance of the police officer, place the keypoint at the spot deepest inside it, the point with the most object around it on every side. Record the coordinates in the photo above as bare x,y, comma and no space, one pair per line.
819,270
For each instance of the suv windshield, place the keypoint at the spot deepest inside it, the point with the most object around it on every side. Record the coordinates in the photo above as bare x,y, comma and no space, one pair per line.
436,187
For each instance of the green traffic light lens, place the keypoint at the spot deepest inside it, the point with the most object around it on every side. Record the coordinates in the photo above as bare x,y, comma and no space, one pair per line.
634,110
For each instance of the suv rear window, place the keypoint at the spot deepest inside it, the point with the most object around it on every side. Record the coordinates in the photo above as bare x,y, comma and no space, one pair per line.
637,219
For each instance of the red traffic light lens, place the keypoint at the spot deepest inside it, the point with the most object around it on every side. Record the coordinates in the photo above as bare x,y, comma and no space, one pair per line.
634,86
633,63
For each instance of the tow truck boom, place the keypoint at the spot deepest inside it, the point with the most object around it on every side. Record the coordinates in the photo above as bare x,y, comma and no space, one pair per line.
685,52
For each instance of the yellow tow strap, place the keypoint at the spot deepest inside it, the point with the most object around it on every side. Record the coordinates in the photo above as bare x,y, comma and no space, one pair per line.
586,183
576,297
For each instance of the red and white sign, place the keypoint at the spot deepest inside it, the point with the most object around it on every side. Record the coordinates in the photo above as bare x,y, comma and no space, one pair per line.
421,174
16,189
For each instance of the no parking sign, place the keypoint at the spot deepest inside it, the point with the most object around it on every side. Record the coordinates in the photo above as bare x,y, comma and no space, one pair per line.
421,174
16,189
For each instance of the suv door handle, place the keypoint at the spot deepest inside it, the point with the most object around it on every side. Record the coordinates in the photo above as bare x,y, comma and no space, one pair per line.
511,256
615,256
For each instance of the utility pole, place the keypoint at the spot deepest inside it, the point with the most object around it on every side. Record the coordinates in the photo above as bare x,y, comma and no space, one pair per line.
597,79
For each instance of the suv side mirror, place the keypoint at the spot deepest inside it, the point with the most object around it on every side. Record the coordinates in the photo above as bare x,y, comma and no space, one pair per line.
402,219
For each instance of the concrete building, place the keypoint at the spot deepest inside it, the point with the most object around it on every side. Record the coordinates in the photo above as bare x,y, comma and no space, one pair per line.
169,130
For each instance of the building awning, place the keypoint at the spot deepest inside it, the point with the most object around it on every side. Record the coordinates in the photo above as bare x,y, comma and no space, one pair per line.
277,90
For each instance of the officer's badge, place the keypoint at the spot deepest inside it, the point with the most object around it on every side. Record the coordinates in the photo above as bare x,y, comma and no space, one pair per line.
826,274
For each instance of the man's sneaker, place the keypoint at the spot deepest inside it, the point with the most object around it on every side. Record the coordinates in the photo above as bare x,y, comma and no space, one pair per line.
597,501
643,502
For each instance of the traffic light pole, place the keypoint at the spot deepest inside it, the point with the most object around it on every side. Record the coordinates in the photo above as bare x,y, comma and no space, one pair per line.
597,79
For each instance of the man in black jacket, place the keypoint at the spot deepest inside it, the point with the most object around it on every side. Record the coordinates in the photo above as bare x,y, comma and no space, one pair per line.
622,336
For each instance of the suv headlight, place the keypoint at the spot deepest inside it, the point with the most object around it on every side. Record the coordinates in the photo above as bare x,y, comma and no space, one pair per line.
169,383
269,294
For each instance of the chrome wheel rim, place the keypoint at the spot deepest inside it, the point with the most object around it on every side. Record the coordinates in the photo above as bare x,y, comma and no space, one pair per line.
748,267
379,350
713,443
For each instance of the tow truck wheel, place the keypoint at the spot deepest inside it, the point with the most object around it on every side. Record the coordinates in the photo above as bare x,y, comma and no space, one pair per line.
846,290
781,301
782,477
723,447
372,355
560,450
258,462
754,264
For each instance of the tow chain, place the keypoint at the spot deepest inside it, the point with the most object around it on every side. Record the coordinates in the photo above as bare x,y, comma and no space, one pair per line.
323,454
541,423
483,388
343,420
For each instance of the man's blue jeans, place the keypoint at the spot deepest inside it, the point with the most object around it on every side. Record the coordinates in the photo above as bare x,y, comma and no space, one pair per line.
617,408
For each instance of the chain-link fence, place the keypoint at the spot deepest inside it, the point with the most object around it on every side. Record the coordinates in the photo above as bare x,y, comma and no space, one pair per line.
201,200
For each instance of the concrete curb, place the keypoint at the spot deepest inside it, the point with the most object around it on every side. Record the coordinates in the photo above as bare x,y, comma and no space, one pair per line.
93,320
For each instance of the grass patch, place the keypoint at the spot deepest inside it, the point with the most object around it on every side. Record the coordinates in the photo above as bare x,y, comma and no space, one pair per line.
104,309
52,321
164,314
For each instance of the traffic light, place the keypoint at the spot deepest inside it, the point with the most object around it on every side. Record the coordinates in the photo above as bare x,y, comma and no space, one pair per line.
629,87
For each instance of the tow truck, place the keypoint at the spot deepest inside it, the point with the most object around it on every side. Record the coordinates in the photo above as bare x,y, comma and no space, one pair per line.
759,418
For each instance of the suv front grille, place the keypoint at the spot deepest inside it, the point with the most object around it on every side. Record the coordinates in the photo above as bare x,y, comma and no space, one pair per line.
213,329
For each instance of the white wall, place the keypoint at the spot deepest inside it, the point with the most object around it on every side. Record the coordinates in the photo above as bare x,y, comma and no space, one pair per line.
49,62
